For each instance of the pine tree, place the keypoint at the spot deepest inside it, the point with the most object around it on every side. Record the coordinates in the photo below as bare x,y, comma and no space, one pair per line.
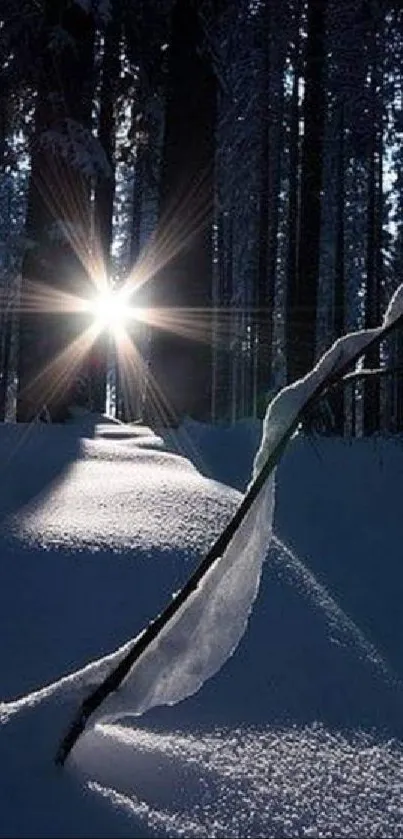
302,296
180,367
105,190
58,217
372,399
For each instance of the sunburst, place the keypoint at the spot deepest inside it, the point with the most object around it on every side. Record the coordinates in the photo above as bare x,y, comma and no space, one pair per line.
119,311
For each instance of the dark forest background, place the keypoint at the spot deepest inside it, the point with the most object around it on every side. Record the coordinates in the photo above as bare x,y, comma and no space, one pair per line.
237,165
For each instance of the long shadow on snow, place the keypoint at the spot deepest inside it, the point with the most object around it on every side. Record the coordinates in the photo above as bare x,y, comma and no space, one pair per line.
33,457
342,510
301,661
70,620
39,612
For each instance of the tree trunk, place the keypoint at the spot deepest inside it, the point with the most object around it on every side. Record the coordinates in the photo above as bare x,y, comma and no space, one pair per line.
4,315
372,404
293,194
180,367
265,283
58,216
5,361
338,399
276,143
221,392
104,195
302,300
3,129
130,384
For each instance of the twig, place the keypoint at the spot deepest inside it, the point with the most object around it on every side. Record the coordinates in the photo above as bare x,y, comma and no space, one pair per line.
377,371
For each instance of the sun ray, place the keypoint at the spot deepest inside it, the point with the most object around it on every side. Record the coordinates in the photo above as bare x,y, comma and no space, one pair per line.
57,376
134,372
133,368
196,323
188,214
41,297
116,310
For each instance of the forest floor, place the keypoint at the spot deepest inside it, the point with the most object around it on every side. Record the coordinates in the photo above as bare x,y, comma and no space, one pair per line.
301,731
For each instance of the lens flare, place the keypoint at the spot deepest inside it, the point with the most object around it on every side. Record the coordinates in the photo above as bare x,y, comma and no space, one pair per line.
112,312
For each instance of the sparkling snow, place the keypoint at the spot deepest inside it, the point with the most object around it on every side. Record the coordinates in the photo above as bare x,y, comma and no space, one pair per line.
299,734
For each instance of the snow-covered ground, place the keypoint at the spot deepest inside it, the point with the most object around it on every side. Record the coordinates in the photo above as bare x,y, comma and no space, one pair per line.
301,731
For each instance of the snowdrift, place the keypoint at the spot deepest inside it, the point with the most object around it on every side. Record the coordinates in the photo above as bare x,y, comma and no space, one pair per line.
91,547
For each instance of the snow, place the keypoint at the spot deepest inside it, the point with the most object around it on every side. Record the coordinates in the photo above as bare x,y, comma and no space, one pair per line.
207,630
284,408
395,307
300,731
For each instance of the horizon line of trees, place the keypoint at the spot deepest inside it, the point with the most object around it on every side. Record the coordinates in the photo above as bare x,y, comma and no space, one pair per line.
247,156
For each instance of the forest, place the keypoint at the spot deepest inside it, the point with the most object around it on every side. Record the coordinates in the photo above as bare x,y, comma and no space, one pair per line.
229,174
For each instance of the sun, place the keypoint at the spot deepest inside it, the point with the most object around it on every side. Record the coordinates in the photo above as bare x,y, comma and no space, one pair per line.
111,312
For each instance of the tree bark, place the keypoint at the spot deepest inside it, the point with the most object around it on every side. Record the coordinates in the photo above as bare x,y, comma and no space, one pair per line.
265,282
104,194
293,196
338,400
302,300
58,214
180,367
372,401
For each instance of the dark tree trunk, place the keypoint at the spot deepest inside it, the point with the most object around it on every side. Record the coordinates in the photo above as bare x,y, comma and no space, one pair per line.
265,282
338,399
3,128
221,395
228,280
130,383
398,345
276,143
293,193
372,401
58,215
5,333
7,323
137,204
302,300
180,367
399,380
104,194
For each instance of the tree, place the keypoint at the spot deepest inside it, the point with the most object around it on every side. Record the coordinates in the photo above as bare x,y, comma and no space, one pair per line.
293,186
105,189
265,280
372,399
180,367
302,296
58,218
